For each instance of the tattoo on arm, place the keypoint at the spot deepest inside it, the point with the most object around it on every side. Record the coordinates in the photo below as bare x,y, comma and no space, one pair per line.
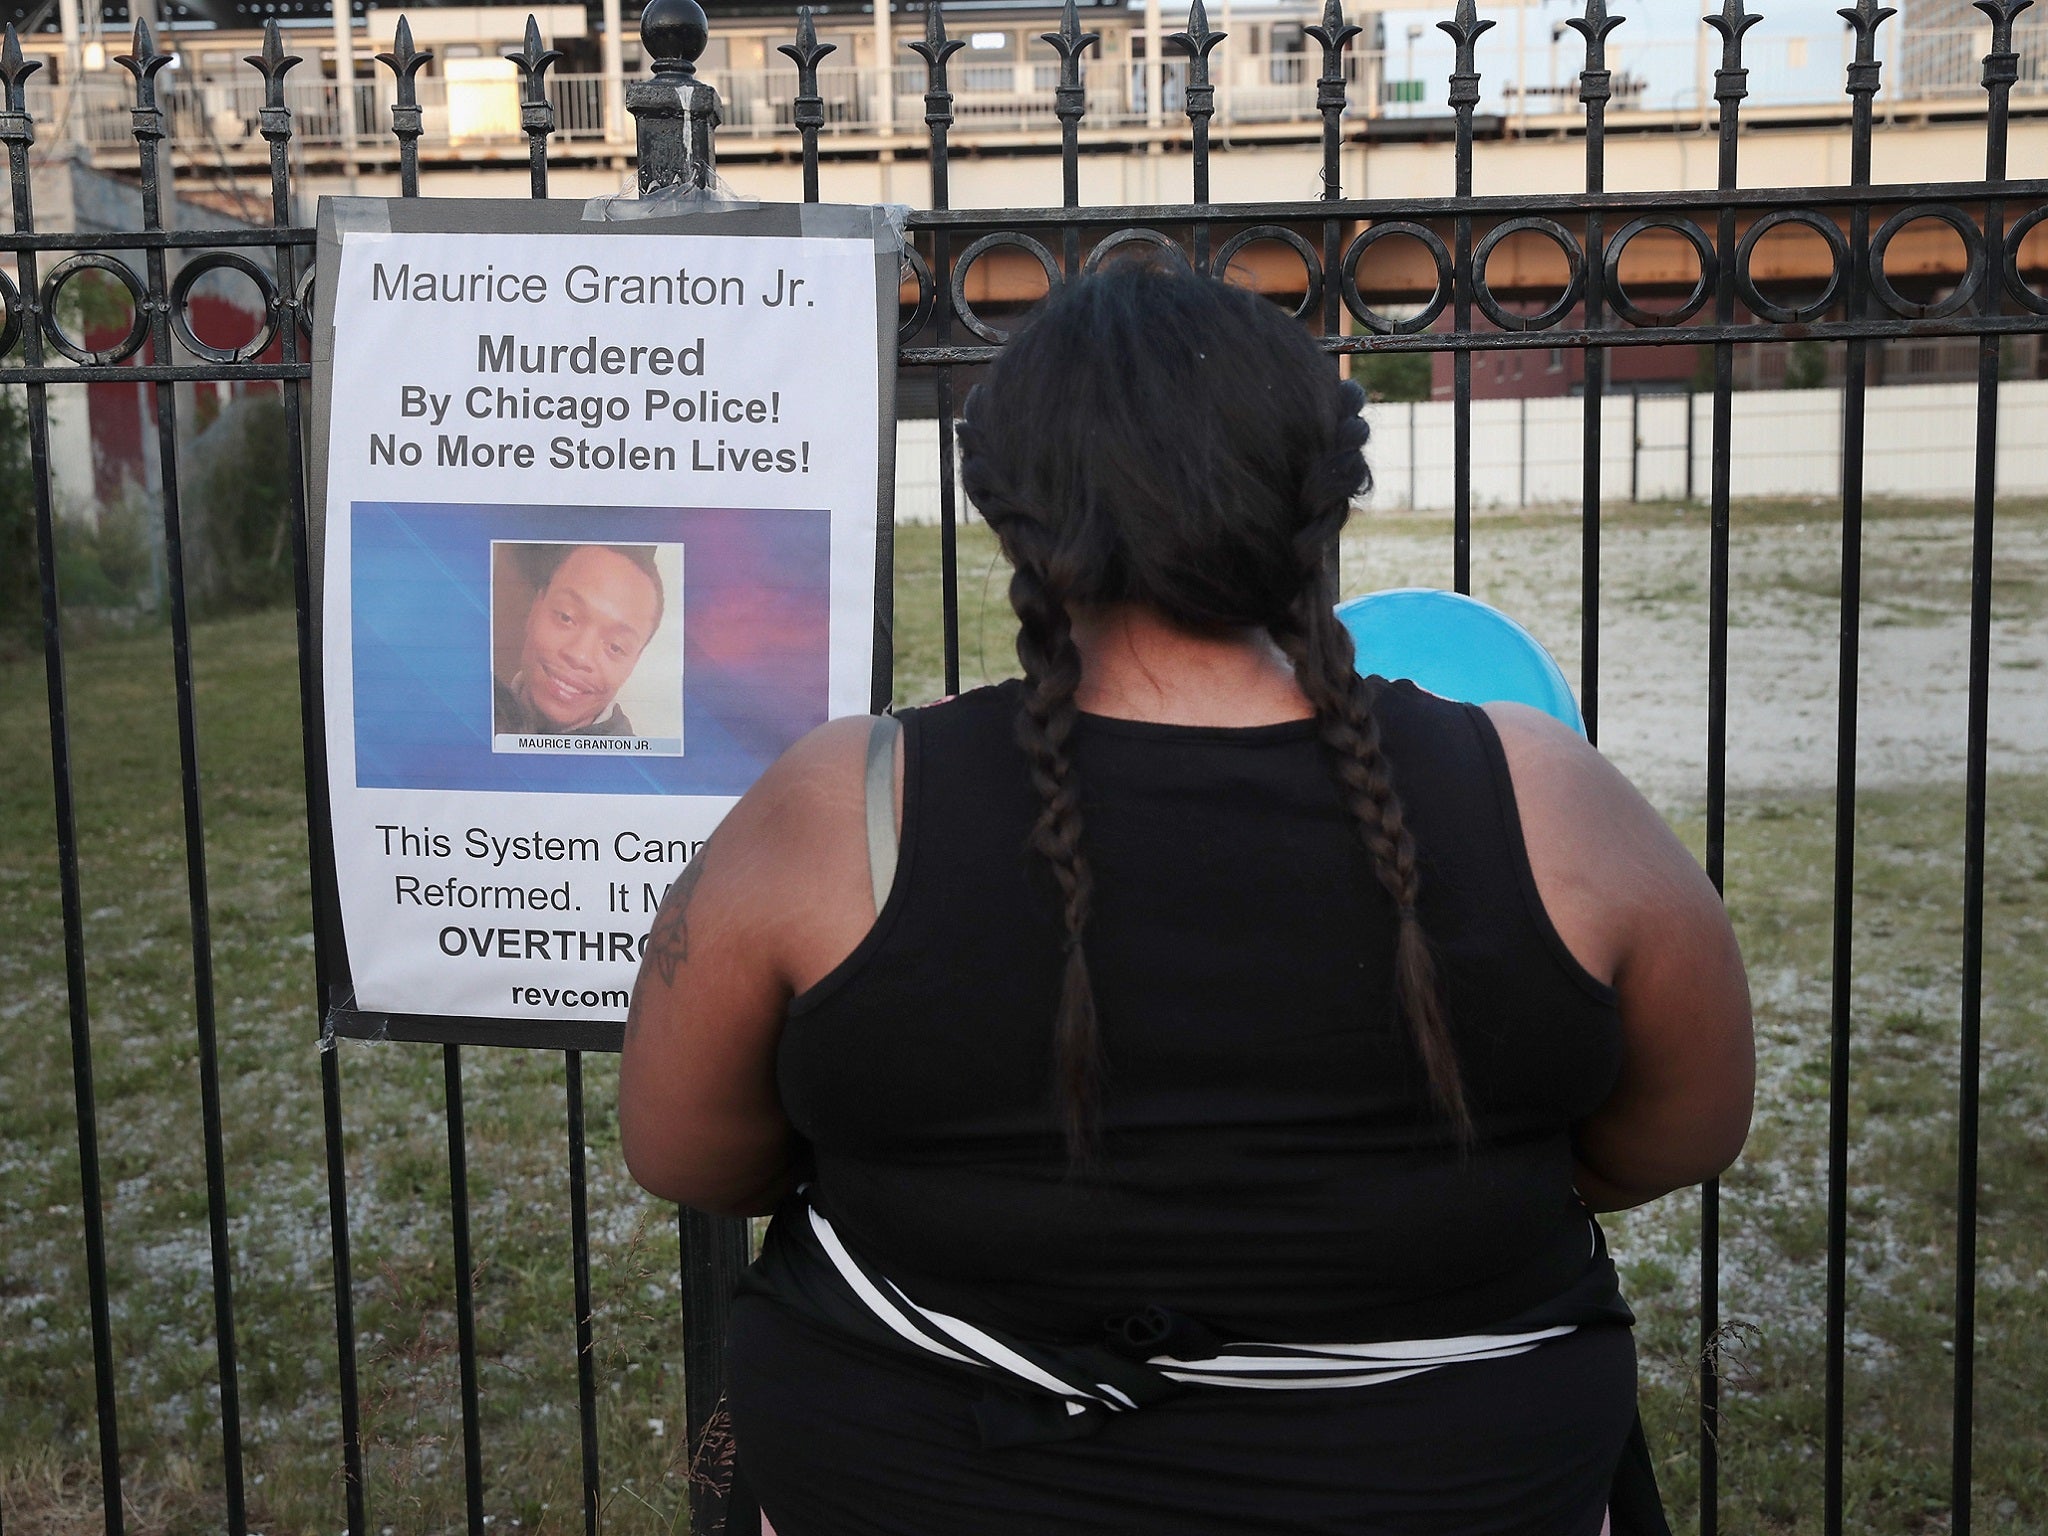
668,942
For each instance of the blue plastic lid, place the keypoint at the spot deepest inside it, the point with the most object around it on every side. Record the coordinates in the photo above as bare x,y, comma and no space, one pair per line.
1459,647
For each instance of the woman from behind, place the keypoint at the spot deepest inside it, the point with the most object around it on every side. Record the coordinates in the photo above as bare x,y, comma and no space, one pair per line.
1183,1113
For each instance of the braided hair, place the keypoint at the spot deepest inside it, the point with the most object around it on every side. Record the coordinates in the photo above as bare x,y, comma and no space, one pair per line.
1166,440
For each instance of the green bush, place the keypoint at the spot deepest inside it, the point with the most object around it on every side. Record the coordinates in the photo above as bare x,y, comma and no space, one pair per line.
237,510
1393,375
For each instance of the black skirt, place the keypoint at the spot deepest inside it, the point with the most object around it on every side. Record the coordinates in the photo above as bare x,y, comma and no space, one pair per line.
837,1437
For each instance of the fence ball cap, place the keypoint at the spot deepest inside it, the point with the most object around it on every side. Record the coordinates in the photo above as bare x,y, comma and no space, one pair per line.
674,33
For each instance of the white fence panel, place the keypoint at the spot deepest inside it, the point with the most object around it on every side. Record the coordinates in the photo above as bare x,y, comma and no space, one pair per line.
1920,441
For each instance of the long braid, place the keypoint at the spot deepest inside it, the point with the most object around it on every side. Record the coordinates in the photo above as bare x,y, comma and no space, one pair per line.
1320,649
1045,727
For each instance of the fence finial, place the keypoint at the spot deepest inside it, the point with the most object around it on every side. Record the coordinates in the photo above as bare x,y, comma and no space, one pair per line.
935,49
1865,17
15,70
144,63
1596,80
806,52
1333,34
533,60
405,61
1594,27
1070,42
1731,80
273,63
2002,13
1198,42
675,115
1465,27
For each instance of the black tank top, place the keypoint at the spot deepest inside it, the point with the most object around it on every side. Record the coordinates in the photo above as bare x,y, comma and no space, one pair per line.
1272,1164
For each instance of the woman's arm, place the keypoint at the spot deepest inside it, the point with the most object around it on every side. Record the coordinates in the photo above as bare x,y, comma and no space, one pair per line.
770,904
1631,904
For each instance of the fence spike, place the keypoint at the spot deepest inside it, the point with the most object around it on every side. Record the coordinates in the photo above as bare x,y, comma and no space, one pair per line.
274,64
1333,33
1466,27
144,62
1594,27
1596,81
405,61
1866,17
806,52
15,70
1732,23
2003,14
936,47
1198,42
533,59
807,110
1070,42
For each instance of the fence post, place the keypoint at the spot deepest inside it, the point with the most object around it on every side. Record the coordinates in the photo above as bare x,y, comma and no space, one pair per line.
675,115
1412,471
1635,445
1691,400
1522,452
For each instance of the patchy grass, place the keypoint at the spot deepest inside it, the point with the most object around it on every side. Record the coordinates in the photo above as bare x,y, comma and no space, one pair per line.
1780,851
1900,1276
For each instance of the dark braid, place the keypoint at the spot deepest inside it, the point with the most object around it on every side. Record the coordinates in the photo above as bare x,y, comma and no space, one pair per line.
1052,673
1320,648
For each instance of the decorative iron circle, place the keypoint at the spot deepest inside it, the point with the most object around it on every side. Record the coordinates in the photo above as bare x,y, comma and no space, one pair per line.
181,296
2015,237
1702,248
1113,242
10,299
974,253
138,296
1973,272
1371,318
302,302
1745,253
1544,319
1311,263
927,293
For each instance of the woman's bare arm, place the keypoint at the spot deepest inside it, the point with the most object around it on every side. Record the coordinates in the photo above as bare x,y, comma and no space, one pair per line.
766,907
1630,903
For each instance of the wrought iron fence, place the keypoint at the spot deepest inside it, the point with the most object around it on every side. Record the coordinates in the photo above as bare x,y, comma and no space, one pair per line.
1338,243
219,117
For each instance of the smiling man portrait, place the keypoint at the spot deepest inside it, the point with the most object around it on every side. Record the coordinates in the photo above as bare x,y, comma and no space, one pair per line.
584,634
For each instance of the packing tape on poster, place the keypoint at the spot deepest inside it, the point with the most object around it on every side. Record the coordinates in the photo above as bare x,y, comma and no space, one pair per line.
361,216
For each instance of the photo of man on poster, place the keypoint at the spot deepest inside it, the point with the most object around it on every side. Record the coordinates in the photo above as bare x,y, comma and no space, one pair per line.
596,608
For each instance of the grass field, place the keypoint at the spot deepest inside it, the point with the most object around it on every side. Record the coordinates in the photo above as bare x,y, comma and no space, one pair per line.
1780,852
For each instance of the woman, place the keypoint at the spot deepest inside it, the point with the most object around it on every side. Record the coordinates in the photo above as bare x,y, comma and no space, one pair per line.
1195,1131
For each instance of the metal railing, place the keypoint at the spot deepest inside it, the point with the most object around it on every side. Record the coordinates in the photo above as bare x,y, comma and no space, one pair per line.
1251,90
1333,239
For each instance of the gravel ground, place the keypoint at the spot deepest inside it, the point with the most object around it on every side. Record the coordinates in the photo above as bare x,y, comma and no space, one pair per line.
1784,652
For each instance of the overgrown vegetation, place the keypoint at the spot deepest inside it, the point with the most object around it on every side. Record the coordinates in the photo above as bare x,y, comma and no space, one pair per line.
1902,1126
1393,375
235,513
237,504
20,608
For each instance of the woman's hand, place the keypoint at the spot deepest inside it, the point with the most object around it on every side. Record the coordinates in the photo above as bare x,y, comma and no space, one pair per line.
1638,913
770,904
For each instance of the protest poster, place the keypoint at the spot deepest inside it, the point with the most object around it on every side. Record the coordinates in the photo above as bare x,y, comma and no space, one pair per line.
600,527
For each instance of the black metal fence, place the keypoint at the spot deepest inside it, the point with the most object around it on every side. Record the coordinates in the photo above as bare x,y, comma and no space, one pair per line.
1858,303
